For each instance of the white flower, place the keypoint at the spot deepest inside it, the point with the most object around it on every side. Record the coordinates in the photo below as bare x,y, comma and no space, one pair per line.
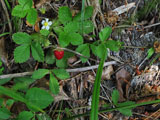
46,24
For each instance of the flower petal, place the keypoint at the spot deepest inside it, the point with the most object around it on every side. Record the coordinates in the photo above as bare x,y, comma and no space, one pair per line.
47,27
43,21
43,27
49,23
47,19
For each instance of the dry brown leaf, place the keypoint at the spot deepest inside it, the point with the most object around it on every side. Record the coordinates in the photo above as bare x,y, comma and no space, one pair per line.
157,46
36,27
3,53
123,82
107,72
41,3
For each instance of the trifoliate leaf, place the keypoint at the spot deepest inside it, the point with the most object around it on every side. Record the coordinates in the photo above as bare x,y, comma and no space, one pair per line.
26,3
100,50
86,27
38,74
64,39
39,97
21,38
44,32
32,16
4,114
64,14
37,51
19,11
25,115
113,45
61,73
22,83
84,50
22,53
127,112
75,38
105,33
53,84
71,27
50,58
115,97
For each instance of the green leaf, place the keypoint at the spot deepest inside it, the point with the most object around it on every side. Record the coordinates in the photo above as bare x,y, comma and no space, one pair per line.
127,103
21,38
44,32
113,45
22,53
75,39
25,115
87,14
127,112
4,114
3,81
115,97
26,4
19,11
10,102
62,63
22,83
150,52
50,58
37,52
93,49
37,37
64,14
61,73
39,97
58,30
84,50
32,16
40,73
64,39
105,33
53,84
18,97
96,90
71,27
86,27
100,50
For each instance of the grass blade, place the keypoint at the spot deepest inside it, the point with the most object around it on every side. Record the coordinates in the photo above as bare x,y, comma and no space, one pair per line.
96,90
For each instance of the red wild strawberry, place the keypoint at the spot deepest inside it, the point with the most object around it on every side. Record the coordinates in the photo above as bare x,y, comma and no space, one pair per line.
58,54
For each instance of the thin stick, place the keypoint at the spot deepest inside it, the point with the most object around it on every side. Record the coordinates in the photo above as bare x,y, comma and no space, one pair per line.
68,70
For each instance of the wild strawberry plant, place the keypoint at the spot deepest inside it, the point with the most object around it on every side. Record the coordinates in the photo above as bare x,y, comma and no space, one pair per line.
67,31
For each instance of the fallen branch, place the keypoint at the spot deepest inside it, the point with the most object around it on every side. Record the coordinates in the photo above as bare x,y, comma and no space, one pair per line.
68,70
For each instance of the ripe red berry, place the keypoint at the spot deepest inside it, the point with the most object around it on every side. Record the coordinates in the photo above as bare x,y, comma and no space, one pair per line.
59,54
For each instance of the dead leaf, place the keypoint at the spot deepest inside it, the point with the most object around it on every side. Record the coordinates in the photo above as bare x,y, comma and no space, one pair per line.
107,72
36,27
157,46
123,82
41,3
